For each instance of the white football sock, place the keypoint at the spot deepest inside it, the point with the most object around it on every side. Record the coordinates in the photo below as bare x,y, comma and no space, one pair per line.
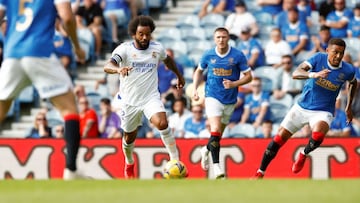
170,143
128,150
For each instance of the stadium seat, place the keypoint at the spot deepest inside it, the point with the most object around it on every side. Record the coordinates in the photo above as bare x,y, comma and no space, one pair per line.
269,77
94,98
212,20
29,95
188,21
193,34
199,46
279,107
185,61
179,47
54,117
87,43
169,35
241,130
263,18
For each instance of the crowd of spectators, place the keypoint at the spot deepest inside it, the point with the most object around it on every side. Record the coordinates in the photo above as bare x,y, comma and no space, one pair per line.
289,41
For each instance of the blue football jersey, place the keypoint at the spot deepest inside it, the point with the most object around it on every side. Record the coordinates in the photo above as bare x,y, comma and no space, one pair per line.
30,28
228,66
321,93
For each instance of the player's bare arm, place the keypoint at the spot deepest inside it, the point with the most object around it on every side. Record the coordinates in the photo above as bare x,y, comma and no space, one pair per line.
66,15
196,78
170,63
113,68
301,72
228,84
350,97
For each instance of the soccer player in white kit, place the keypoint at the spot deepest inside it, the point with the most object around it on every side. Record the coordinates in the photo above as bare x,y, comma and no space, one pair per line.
137,62
29,59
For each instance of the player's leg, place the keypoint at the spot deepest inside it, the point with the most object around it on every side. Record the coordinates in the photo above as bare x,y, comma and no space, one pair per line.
292,122
154,110
272,149
131,118
320,124
52,81
13,80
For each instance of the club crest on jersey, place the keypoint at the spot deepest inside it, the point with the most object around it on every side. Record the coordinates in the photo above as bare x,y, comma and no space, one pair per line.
341,77
212,61
231,60
153,54
133,56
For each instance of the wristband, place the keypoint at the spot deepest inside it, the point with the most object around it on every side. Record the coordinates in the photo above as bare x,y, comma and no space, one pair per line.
312,75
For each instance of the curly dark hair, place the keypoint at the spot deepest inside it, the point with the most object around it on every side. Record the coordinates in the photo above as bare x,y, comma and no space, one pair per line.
140,21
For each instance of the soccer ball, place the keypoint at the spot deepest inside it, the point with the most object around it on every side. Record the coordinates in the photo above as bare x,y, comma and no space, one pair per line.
175,169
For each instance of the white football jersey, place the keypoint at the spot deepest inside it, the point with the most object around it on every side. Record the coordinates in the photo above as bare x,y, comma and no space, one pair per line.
142,82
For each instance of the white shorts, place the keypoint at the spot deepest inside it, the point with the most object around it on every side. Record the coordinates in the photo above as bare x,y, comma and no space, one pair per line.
214,108
131,116
47,75
297,117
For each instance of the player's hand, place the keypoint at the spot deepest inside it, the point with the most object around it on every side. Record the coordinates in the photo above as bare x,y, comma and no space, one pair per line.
322,74
80,55
227,83
124,71
349,116
180,83
196,96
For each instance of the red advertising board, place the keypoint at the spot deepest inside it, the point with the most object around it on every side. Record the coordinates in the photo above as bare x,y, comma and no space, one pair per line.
103,158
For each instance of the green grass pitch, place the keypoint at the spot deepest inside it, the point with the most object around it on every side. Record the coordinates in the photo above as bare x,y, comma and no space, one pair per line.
181,191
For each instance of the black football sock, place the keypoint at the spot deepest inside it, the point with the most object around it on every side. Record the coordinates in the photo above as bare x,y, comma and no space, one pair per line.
271,152
214,146
72,139
314,142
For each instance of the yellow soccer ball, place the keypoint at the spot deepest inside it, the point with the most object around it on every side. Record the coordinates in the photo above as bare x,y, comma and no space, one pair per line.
175,169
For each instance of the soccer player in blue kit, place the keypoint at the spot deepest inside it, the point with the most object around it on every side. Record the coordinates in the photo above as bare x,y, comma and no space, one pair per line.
325,74
224,65
29,59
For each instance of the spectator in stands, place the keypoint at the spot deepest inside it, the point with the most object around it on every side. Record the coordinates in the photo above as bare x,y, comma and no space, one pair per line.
177,119
89,16
320,42
41,129
304,7
325,7
217,6
59,131
205,133
165,76
256,108
273,7
196,123
276,48
109,121
172,95
240,19
338,19
89,127
118,13
266,129
356,111
286,84
354,24
296,33
339,127
79,91
251,48
63,47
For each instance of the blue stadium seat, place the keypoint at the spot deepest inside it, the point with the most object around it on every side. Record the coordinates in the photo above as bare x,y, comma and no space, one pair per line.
279,107
54,117
193,34
268,76
241,130
188,21
169,35
179,47
212,20
263,18
199,46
